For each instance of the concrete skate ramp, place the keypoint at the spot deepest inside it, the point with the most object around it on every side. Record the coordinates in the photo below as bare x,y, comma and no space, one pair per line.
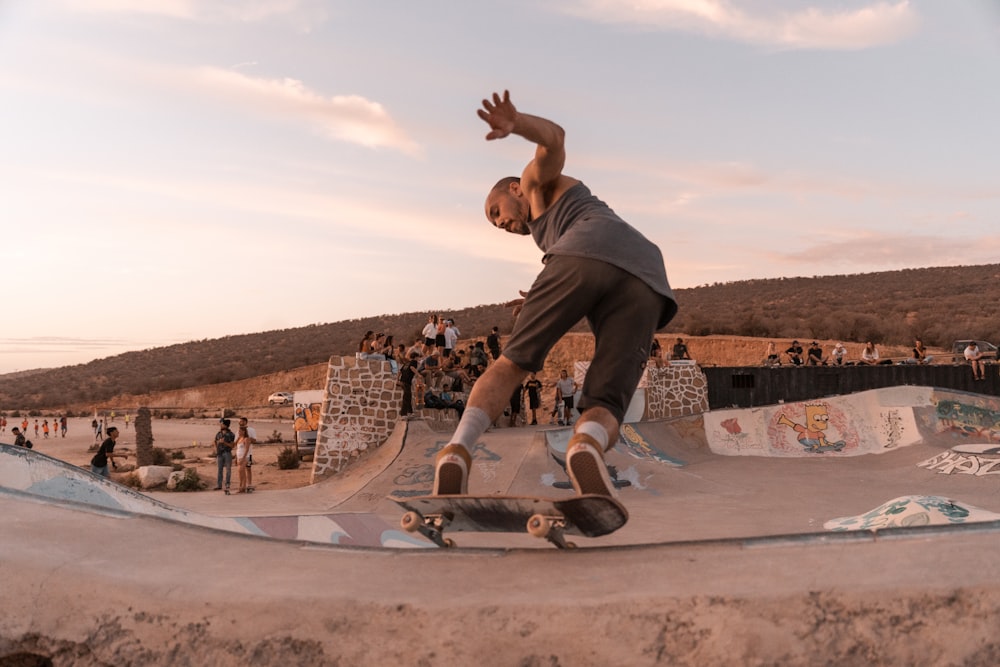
725,559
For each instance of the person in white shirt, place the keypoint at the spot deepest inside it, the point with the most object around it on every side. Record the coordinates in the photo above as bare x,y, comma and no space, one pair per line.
869,355
975,357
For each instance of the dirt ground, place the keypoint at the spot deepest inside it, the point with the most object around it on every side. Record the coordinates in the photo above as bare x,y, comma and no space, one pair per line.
193,437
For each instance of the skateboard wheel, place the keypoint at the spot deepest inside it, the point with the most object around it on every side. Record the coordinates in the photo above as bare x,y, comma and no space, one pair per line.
449,543
571,545
538,526
410,522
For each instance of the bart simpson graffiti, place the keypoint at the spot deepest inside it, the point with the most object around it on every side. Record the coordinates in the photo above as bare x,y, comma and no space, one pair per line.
812,434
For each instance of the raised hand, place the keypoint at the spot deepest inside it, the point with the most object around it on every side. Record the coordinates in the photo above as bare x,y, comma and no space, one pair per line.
516,304
499,114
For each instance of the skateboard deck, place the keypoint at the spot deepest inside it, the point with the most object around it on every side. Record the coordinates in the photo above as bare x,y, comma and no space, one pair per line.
549,518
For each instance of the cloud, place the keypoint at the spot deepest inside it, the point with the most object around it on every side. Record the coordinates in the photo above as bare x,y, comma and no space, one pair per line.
350,118
873,251
871,25
304,13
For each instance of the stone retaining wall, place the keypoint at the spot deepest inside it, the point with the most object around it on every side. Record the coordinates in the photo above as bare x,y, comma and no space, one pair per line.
359,412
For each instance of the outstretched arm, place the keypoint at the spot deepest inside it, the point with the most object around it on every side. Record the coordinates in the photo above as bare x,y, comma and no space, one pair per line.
544,171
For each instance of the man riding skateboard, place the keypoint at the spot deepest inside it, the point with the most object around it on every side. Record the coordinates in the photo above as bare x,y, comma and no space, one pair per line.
596,266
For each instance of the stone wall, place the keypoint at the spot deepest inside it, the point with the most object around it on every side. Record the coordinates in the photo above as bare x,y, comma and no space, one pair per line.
675,391
359,412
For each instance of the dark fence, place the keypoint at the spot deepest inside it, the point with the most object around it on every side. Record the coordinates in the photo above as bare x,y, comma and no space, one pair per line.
750,386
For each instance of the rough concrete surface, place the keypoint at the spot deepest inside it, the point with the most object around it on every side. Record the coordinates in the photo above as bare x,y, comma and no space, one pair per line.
724,561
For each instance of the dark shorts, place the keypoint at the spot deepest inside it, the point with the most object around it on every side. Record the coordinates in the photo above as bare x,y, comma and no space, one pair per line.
439,340
428,342
623,312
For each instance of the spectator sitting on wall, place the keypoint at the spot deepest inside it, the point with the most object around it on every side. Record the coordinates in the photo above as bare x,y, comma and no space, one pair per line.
919,354
455,375
771,357
869,355
431,369
975,357
794,353
815,355
838,354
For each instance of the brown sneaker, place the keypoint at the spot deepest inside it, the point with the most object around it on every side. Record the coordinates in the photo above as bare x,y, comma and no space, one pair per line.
451,471
586,468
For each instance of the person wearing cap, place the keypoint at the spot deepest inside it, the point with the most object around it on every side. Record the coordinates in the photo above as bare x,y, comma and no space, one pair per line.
815,355
19,438
838,354
224,441
106,452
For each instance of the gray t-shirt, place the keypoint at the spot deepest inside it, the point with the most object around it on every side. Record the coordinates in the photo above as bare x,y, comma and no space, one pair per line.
581,225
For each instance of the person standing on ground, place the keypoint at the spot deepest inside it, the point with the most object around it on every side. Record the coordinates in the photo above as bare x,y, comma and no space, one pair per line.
534,388
597,267
252,435
493,343
244,449
224,441
680,350
62,425
19,439
106,453
567,389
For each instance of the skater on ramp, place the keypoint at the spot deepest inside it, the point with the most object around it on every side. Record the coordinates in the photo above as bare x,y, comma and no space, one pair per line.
595,266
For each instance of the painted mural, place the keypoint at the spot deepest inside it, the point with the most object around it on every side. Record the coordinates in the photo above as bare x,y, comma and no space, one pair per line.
864,423
908,511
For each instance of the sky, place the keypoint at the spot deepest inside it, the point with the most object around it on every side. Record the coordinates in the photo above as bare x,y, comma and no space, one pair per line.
178,170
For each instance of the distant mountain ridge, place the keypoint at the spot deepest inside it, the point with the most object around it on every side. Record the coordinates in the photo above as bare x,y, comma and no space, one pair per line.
892,307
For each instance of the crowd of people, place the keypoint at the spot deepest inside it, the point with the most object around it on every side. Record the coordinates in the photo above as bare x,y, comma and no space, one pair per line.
815,356
435,373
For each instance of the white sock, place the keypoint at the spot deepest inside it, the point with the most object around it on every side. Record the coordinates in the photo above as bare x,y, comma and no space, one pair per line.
473,424
595,431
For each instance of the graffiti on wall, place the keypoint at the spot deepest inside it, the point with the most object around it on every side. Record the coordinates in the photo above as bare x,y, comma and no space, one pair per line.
908,511
972,417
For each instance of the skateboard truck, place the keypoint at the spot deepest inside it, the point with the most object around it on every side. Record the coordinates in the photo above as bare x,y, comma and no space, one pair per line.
432,526
550,528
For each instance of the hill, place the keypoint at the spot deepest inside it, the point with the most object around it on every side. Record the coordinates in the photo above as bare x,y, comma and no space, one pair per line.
890,308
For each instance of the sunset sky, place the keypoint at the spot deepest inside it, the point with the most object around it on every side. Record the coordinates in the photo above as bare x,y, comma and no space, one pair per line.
174,170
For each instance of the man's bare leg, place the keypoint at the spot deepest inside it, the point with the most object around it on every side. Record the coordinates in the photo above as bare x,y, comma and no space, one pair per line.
490,394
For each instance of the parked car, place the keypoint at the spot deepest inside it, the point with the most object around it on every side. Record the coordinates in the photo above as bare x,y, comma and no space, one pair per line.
305,443
989,350
280,398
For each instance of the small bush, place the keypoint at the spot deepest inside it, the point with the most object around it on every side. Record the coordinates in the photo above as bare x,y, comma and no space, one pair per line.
160,457
190,481
274,438
131,480
288,459
177,454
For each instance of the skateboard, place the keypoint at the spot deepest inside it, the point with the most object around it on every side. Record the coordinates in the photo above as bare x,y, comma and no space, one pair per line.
548,518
